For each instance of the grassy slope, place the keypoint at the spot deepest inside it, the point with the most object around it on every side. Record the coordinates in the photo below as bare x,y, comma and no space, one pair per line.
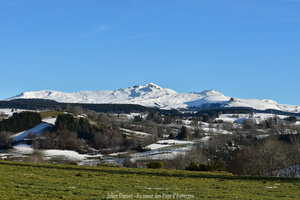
46,181
46,114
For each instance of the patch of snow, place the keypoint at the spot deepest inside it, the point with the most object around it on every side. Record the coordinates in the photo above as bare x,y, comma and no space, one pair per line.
163,149
23,148
68,154
18,150
262,136
38,129
135,132
256,117
157,146
186,122
50,120
174,142
212,131
132,115
9,112
117,153
160,144
158,154
205,139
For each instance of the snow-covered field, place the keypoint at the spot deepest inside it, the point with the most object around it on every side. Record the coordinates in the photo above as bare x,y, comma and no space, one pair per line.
174,142
215,131
157,146
163,149
9,112
167,143
159,154
38,129
22,150
137,133
257,117
212,129
66,154
132,115
18,150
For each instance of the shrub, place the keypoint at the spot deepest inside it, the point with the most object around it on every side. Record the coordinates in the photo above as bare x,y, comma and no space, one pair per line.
216,165
192,167
155,165
36,157
107,164
183,135
291,119
30,135
203,167
5,138
73,163
211,165
128,163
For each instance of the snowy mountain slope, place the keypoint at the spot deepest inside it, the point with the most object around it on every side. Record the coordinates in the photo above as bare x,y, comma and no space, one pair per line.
152,95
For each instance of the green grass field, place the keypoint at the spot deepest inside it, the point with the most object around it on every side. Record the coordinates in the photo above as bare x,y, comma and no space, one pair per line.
46,114
46,181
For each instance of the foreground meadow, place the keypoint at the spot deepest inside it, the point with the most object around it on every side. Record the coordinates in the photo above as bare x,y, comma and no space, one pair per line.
47,181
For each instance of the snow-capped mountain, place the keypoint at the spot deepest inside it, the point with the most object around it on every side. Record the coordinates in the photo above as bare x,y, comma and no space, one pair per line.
153,95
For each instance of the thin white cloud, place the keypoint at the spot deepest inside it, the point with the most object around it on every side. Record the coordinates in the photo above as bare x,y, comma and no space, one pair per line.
98,30
125,39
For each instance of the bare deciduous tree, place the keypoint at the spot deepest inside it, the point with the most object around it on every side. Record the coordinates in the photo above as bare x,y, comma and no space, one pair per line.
4,138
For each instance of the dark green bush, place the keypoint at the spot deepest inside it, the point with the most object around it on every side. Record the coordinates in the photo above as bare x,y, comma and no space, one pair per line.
218,165
203,167
81,126
156,165
211,165
192,167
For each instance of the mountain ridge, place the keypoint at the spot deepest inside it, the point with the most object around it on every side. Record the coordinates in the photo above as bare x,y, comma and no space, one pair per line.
152,95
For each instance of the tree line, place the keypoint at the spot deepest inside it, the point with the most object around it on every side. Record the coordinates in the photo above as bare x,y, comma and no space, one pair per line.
20,122
79,134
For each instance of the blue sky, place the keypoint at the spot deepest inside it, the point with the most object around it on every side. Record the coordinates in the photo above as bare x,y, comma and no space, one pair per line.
242,48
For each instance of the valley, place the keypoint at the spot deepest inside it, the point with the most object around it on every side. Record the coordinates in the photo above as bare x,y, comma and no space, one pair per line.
135,136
